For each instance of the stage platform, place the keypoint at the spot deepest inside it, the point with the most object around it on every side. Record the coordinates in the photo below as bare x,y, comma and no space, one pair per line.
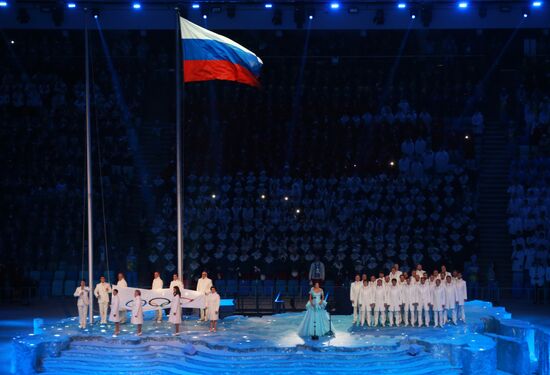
490,343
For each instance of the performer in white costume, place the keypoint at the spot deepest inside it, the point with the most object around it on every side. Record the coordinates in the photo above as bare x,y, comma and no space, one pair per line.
379,304
203,285
114,315
366,302
438,298
157,285
424,303
410,302
393,300
462,296
354,291
82,293
121,283
137,312
176,282
450,301
175,309
213,308
101,292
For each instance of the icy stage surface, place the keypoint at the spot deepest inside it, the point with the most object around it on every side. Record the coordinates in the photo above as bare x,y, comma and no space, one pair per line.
490,343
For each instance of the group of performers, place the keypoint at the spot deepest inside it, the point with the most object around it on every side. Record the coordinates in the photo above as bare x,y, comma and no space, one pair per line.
394,299
416,300
118,312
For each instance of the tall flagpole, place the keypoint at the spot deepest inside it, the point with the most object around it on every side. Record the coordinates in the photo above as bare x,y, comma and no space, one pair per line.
179,146
89,172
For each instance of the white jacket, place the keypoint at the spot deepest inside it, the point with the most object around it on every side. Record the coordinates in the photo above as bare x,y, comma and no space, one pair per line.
204,285
83,296
157,283
461,291
424,294
101,292
175,310
394,297
410,294
354,291
137,311
177,283
438,298
366,297
379,298
450,295
122,283
114,315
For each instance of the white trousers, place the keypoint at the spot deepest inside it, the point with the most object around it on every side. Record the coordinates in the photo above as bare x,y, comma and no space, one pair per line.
446,313
103,311
366,315
158,315
82,315
409,309
438,318
356,310
395,317
426,310
461,313
380,318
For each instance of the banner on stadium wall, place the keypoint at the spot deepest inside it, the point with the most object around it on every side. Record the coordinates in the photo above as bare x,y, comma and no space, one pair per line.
160,298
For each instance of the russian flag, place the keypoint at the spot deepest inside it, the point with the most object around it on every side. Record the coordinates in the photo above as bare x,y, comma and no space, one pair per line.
210,56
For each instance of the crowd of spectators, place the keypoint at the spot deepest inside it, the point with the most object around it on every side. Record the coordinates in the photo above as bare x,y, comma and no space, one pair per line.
249,225
528,223
371,147
42,107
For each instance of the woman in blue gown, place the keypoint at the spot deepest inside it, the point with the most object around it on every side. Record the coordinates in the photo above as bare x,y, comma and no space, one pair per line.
316,321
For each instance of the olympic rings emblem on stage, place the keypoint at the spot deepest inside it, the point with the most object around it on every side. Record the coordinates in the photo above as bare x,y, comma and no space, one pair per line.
156,304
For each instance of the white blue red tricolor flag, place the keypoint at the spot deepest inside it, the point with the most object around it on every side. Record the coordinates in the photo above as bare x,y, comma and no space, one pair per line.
210,56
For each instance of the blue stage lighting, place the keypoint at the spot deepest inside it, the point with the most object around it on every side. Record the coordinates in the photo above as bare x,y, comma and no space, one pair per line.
334,5
310,17
402,5
463,5
524,15
95,16
204,16
136,6
537,4
71,5
268,5
413,16
3,3
195,6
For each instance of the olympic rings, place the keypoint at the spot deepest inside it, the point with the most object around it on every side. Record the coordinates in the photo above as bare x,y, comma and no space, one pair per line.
155,304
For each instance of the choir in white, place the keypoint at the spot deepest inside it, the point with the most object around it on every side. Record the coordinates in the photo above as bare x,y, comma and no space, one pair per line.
415,300
118,312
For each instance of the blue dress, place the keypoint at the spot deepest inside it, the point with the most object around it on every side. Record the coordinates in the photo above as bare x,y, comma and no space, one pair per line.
316,319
